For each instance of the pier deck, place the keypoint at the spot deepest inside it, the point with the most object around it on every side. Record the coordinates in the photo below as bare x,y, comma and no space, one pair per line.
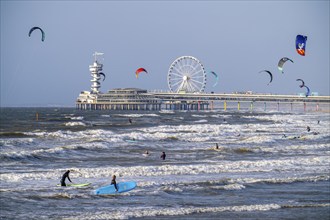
137,99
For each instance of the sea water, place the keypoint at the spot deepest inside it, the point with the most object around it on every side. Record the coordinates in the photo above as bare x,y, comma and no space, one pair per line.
267,164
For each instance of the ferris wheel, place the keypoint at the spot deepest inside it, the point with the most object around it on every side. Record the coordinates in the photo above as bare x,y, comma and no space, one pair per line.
186,74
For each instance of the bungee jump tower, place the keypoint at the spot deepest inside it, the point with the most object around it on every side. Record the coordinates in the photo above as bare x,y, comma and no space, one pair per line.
95,70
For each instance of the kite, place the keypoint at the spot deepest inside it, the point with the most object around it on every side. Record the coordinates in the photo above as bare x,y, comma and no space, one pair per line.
102,75
270,74
138,71
302,81
308,92
42,32
281,63
301,44
216,77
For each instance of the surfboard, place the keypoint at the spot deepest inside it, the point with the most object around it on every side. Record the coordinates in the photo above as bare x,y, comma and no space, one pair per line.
76,185
110,189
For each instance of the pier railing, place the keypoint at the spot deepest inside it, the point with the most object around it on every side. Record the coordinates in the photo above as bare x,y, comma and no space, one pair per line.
240,97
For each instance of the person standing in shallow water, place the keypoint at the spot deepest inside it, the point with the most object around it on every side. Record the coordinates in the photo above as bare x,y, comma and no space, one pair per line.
65,175
163,156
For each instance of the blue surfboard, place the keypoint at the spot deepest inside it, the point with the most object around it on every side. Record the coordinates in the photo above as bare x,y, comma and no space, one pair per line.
110,189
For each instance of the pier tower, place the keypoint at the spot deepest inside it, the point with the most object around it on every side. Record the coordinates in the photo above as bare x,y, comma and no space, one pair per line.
96,72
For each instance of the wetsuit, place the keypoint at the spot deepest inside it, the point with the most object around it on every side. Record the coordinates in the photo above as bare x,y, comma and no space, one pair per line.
113,181
163,156
65,175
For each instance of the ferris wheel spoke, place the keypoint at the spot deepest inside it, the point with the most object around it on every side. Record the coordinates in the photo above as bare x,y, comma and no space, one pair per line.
197,73
190,87
198,64
174,80
181,86
194,86
180,66
198,77
195,81
176,83
177,70
176,74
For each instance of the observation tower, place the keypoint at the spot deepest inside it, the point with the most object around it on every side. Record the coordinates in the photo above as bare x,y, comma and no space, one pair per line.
95,70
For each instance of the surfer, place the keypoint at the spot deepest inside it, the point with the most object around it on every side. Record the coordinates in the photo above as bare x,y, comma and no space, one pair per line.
308,129
65,175
130,120
163,156
113,182
216,146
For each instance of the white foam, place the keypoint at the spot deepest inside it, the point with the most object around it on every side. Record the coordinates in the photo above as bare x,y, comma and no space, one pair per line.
124,213
201,121
298,165
72,124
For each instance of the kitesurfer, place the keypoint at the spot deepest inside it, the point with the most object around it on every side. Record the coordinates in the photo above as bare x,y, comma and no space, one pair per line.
113,182
65,175
163,156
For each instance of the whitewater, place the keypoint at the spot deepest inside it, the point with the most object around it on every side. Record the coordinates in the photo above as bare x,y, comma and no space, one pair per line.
267,165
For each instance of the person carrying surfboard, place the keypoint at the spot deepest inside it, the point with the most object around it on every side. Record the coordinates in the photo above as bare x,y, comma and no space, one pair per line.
65,175
113,182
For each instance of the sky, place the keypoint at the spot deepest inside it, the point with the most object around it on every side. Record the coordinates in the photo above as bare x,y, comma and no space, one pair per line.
235,39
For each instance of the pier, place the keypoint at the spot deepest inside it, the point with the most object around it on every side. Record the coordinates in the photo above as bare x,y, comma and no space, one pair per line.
187,93
139,99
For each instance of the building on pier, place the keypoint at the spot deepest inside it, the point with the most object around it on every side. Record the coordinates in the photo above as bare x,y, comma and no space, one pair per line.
119,99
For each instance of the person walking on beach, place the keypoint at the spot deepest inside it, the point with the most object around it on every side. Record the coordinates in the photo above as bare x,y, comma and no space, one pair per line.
113,182
163,156
65,175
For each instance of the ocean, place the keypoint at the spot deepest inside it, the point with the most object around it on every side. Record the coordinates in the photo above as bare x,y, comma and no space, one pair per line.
267,166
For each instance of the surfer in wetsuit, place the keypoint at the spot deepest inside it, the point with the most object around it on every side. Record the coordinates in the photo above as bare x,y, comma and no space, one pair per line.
65,175
113,182
163,156
308,129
